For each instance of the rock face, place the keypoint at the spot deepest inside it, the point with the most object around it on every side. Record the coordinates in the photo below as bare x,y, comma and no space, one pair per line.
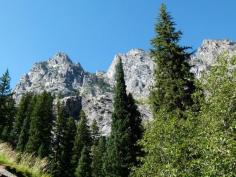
208,53
78,89
93,92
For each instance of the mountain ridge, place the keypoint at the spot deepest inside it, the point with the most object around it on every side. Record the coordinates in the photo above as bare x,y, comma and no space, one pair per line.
92,92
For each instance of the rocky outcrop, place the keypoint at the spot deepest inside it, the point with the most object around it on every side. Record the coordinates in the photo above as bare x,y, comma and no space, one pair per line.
208,53
93,92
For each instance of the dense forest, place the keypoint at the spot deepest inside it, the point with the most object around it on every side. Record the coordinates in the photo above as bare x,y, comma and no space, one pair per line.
192,134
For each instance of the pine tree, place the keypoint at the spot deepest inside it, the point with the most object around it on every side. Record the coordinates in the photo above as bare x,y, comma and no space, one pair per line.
64,134
68,143
98,152
82,139
136,130
24,112
59,131
119,157
41,126
174,83
7,107
168,141
84,165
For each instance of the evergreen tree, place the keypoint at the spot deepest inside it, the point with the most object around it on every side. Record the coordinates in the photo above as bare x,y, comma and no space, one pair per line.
68,143
41,126
174,83
7,107
23,112
82,139
98,152
84,165
119,157
64,135
25,109
59,131
168,141
136,130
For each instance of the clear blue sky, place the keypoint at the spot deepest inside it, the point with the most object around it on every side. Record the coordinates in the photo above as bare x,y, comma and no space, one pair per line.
93,31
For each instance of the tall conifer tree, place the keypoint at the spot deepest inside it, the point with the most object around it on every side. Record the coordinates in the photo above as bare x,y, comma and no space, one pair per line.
167,142
23,112
119,157
7,107
98,152
25,109
64,134
84,165
68,143
82,139
41,126
174,83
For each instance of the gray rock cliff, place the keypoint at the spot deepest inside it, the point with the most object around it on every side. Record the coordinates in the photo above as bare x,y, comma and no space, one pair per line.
93,92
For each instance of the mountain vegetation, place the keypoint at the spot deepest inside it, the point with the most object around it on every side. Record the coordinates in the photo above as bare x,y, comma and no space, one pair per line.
192,133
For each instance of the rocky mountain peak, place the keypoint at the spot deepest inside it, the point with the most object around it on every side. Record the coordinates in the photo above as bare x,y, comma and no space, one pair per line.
93,92
208,52
60,58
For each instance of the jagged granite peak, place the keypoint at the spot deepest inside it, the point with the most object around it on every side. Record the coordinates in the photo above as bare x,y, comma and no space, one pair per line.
93,92
57,75
138,67
59,59
208,53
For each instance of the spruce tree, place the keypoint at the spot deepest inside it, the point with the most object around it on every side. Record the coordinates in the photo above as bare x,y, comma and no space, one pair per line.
25,109
98,152
7,107
59,131
174,83
68,143
119,157
82,139
41,126
136,130
84,166
23,112
168,141
64,134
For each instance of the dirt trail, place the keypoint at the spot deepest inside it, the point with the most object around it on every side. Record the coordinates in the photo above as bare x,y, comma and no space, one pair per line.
5,173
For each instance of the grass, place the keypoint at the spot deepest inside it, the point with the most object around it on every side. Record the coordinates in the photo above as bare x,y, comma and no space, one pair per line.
22,164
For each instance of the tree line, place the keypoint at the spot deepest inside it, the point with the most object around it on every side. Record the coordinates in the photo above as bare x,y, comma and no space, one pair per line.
192,132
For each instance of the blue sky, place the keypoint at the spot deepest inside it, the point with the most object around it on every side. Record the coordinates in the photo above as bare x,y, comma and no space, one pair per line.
93,31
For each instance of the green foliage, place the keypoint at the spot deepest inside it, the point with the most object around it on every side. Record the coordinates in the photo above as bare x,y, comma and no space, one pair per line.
174,83
22,164
7,107
121,149
82,139
60,124
22,120
84,168
68,143
168,143
169,147
98,151
217,130
41,126
64,135
136,130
